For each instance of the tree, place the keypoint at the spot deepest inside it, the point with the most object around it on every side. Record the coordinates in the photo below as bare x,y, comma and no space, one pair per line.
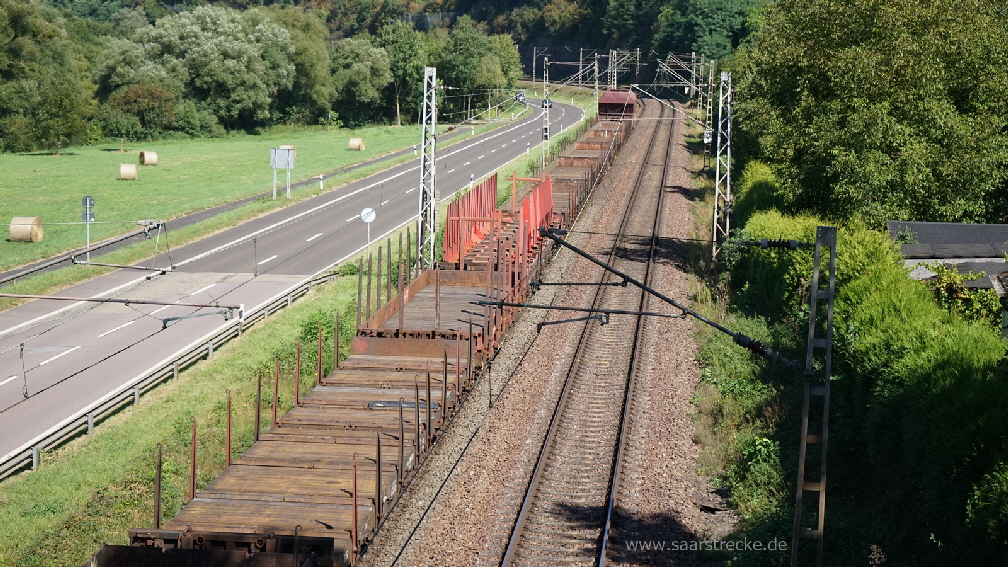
311,92
463,52
504,49
407,57
360,73
228,62
712,27
153,106
562,17
60,115
45,102
898,113
622,22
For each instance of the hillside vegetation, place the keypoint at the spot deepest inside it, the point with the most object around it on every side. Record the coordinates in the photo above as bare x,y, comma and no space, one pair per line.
75,75
875,110
850,113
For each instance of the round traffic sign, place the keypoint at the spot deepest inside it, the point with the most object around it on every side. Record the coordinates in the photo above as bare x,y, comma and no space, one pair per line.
367,215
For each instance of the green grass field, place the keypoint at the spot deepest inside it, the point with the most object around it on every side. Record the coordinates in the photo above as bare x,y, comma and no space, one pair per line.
191,175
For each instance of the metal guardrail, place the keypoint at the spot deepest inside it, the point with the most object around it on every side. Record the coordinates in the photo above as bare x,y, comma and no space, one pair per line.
166,369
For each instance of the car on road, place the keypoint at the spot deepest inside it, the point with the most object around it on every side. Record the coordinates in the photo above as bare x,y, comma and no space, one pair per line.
547,103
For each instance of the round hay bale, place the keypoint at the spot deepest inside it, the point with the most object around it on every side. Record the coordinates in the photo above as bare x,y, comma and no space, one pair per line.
26,229
127,171
148,158
357,144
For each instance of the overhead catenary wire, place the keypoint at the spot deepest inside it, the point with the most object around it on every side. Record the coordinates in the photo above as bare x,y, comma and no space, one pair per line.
740,339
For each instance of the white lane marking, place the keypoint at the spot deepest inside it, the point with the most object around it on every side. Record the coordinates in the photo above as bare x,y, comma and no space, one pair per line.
492,151
481,157
71,306
267,259
450,170
513,141
116,329
412,189
158,310
351,218
7,380
385,202
466,163
314,237
201,290
47,361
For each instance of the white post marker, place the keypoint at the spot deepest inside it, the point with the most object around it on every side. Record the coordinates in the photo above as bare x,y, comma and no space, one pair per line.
368,216
87,217
471,179
320,181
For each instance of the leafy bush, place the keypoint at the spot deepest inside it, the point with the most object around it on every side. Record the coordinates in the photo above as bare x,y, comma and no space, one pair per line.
17,135
948,285
196,121
153,106
917,406
987,508
757,190
119,124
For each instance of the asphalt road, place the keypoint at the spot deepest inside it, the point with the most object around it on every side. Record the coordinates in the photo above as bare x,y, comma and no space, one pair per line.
76,353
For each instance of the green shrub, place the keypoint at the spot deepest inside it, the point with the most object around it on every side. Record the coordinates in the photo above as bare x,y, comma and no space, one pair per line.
16,134
917,413
757,190
987,508
951,293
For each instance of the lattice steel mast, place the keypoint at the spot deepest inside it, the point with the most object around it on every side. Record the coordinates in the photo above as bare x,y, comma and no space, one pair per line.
428,204
722,168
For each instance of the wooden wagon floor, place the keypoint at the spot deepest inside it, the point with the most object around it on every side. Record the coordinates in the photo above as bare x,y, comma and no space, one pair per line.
300,473
457,308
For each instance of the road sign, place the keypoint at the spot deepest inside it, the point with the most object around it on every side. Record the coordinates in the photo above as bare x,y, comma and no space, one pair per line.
367,215
281,158
87,202
87,216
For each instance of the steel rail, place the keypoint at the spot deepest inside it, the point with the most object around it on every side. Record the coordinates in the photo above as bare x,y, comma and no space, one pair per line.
580,309
533,486
617,469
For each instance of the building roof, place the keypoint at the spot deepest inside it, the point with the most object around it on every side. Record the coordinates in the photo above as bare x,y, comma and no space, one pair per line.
618,97
967,247
950,232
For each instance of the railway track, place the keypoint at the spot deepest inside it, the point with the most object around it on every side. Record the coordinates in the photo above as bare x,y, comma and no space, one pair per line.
568,503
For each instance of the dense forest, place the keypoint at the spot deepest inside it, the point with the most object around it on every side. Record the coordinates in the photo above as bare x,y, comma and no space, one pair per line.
73,71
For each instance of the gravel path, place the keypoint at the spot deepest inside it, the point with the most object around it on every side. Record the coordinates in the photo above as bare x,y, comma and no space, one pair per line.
459,509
